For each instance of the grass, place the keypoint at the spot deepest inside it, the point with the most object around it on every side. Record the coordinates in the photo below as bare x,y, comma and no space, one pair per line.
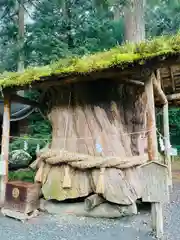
118,56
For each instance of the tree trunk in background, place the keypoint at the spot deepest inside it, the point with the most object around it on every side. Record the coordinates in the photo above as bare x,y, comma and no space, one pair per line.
135,33
20,41
134,21
68,12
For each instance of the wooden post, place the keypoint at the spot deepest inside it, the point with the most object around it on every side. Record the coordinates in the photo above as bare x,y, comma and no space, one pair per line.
151,121
157,219
156,211
5,146
167,140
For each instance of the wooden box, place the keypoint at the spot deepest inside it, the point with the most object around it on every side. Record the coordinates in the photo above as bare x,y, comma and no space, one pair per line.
22,196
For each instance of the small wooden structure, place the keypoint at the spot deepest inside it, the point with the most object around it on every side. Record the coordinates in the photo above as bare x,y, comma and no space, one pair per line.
101,107
22,196
156,191
21,200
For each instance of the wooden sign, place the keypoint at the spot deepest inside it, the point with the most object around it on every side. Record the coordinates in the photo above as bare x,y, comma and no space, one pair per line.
173,151
155,182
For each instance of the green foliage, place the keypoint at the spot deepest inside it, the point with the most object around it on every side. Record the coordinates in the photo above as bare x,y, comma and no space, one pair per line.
38,132
175,126
22,175
92,28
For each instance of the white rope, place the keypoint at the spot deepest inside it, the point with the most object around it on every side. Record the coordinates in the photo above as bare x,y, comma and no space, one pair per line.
80,138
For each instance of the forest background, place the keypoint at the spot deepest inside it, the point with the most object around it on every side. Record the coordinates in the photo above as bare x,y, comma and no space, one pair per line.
38,32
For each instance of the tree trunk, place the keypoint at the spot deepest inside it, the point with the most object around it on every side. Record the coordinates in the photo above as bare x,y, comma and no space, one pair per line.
97,124
135,33
134,21
68,17
20,41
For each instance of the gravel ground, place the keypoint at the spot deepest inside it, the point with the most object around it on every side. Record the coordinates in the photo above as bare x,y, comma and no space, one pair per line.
46,227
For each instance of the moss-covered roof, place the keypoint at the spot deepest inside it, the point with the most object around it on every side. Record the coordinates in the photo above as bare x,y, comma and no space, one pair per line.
118,56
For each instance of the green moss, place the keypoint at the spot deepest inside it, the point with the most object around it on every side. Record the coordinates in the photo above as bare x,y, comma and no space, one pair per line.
26,175
119,55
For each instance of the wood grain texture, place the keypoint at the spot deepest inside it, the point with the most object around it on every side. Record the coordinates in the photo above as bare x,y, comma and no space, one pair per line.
151,120
5,145
155,183
96,119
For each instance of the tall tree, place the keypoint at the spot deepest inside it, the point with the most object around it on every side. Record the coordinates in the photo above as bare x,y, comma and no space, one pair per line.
20,37
134,15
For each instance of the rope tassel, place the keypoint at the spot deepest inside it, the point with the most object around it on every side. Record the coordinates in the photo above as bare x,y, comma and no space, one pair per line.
100,184
67,177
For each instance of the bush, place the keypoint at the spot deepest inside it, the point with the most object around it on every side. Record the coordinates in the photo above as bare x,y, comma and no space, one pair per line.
38,132
22,175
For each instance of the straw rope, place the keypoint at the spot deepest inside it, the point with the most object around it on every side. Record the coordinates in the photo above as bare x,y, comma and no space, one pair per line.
83,162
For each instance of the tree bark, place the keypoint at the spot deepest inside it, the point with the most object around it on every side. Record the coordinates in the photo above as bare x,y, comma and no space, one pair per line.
134,21
5,147
68,12
135,32
20,41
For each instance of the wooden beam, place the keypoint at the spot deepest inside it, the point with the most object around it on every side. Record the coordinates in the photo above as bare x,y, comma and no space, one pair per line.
174,96
172,79
134,82
156,211
23,100
5,146
151,120
167,140
157,219
112,73
158,77
162,97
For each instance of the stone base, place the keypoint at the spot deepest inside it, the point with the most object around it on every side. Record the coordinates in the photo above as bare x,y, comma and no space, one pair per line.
105,210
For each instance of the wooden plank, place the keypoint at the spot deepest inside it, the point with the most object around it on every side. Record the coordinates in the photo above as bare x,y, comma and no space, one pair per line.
167,140
157,219
172,79
5,145
18,215
158,77
153,217
151,120
133,82
23,100
155,190
155,182
175,96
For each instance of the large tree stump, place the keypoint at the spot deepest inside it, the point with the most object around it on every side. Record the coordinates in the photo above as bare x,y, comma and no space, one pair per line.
98,119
